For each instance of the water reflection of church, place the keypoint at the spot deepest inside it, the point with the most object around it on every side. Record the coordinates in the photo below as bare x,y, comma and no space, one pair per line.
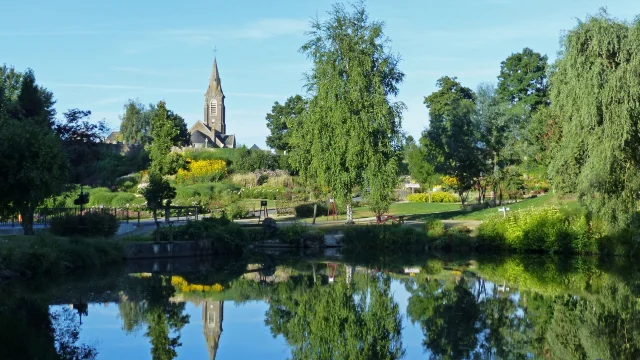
212,315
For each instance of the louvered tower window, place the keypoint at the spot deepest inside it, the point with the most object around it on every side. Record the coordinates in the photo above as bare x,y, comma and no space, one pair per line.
213,108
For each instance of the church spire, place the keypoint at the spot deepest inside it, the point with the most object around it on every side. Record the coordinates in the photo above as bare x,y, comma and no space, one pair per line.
215,86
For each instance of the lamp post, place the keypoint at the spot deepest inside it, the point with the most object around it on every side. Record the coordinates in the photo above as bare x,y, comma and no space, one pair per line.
206,143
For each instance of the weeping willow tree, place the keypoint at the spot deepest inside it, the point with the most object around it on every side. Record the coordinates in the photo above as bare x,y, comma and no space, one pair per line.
596,92
351,133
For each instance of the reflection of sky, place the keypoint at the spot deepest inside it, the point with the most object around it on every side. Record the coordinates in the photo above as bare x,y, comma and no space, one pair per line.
411,334
244,333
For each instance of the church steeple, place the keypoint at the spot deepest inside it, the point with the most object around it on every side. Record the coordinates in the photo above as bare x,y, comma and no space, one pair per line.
215,86
214,109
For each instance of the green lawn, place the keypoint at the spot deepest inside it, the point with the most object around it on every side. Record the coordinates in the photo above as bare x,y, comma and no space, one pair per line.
540,201
396,209
255,203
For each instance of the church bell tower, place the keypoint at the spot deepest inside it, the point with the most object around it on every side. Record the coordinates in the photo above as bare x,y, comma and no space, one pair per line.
214,103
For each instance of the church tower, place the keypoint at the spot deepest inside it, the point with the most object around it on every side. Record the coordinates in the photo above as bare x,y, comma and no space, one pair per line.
214,103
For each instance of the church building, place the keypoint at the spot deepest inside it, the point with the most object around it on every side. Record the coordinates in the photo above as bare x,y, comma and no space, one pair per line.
212,132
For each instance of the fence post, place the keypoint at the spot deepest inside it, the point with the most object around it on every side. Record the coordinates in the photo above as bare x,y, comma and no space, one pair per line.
127,215
196,213
138,218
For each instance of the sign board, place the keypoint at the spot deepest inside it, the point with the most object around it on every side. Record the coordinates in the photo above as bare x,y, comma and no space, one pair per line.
411,270
263,202
412,186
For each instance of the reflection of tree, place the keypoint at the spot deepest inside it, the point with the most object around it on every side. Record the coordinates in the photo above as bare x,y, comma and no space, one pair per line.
451,330
337,321
29,331
161,315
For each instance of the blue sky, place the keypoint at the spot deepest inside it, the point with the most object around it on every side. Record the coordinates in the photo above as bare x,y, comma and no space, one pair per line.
96,55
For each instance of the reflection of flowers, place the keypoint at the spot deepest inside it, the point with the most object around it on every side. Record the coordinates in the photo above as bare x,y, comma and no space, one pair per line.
183,286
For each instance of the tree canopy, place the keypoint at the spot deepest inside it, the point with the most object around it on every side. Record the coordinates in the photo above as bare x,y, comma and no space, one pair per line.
136,125
280,117
30,151
351,132
523,79
596,94
452,137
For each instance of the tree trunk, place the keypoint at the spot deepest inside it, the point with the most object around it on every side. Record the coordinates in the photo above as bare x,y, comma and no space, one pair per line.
315,208
429,196
155,218
27,220
349,213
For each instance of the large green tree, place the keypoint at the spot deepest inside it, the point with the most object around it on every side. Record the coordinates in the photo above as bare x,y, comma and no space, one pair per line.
33,161
280,117
452,136
523,79
351,132
136,124
596,92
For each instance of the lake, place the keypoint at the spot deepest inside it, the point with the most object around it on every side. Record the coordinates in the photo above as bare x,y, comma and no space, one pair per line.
309,306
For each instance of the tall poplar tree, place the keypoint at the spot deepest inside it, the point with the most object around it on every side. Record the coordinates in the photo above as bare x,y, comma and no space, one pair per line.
350,134
596,94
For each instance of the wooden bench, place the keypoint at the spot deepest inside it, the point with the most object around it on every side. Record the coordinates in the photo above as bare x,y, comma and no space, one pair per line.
385,218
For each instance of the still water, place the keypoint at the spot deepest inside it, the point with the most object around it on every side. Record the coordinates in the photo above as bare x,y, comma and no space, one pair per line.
314,307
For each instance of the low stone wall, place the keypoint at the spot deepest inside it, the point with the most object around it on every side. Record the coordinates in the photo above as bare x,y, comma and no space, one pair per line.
157,250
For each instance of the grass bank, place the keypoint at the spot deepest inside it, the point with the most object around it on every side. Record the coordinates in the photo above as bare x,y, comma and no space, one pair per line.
45,255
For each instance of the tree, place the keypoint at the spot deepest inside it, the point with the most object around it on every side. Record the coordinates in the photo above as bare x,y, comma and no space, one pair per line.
280,117
420,169
595,94
33,162
451,138
158,194
165,136
351,132
136,124
523,79
81,141
10,80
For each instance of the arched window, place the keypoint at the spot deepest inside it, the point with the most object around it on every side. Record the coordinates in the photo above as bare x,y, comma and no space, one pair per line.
213,107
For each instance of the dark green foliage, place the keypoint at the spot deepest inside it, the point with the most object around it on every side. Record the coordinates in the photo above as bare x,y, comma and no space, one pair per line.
81,141
137,124
158,193
383,239
164,132
419,167
225,236
280,117
89,224
523,79
34,163
47,256
434,228
451,139
306,210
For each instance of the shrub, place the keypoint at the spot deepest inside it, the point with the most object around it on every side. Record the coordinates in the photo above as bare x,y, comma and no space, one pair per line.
434,228
235,211
89,224
299,234
263,192
306,210
202,171
128,183
224,235
45,255
383,239
436,197
537,230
